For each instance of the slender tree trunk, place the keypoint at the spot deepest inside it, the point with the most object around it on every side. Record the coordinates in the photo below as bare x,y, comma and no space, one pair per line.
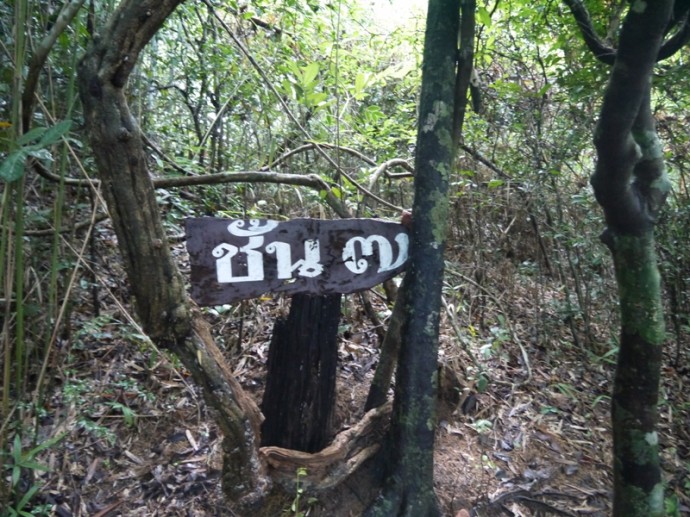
630,183
391,343
409,490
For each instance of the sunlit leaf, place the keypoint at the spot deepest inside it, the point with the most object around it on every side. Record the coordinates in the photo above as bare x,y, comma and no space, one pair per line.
484,16
309,73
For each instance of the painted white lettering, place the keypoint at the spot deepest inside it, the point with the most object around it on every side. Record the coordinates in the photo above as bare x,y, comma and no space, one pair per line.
385,249
224,254
255,228
310,266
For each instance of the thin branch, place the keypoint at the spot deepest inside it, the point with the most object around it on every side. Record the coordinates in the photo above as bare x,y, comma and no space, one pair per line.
165,157
675,42
511,329
310,180
45,232
313,145
380,169
485,161
383,170
349,150
465,66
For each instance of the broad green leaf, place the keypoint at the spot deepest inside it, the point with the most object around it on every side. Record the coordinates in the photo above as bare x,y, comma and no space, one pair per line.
309,73
32,136
39,153
495,183
360,84
484,16
316,99
46,445
55,133
13,167
543,89
32,465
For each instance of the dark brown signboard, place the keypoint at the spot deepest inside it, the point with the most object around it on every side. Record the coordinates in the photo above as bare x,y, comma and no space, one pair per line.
233,260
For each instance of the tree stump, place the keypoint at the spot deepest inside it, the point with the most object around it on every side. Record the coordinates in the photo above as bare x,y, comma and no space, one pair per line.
300,389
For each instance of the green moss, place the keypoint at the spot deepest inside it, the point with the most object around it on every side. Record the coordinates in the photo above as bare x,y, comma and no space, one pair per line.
440,111
639,285
656,499
643,452
438,216
445,139
636,502
649,144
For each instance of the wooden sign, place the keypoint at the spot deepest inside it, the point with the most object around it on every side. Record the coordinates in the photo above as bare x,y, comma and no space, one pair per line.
233,260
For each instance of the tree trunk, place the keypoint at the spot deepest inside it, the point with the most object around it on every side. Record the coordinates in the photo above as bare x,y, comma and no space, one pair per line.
157,285
300,387
409,488
638,490
631,185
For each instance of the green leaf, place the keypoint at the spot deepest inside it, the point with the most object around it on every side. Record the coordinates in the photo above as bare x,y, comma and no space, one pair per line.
361,81
127,413
32,465
316,99
55,133
27,497
482,383
39,153
17,449
309,73
16,472
484,16
495,183
13,167
543,90
46,445
32,136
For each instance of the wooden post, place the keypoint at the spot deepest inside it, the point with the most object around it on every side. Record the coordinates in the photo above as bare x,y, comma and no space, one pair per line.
300,391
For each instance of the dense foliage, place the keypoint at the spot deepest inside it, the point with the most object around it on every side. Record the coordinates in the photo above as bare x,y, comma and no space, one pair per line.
326,88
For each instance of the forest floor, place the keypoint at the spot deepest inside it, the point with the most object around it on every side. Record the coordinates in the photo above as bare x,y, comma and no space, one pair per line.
533,440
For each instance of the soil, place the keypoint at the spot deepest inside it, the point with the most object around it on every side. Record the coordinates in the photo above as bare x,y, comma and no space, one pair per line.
523,426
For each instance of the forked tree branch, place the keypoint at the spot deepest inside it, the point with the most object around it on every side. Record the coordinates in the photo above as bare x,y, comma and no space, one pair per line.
607,54
596,45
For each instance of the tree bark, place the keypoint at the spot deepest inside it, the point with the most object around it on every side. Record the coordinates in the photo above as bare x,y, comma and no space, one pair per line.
159,294
409,489
300,385
631,185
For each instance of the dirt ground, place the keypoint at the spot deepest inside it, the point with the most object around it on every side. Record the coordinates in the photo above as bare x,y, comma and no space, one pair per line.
525,432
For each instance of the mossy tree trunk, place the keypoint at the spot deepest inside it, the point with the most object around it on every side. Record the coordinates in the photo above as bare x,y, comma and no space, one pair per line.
159,295
409,488
631,185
